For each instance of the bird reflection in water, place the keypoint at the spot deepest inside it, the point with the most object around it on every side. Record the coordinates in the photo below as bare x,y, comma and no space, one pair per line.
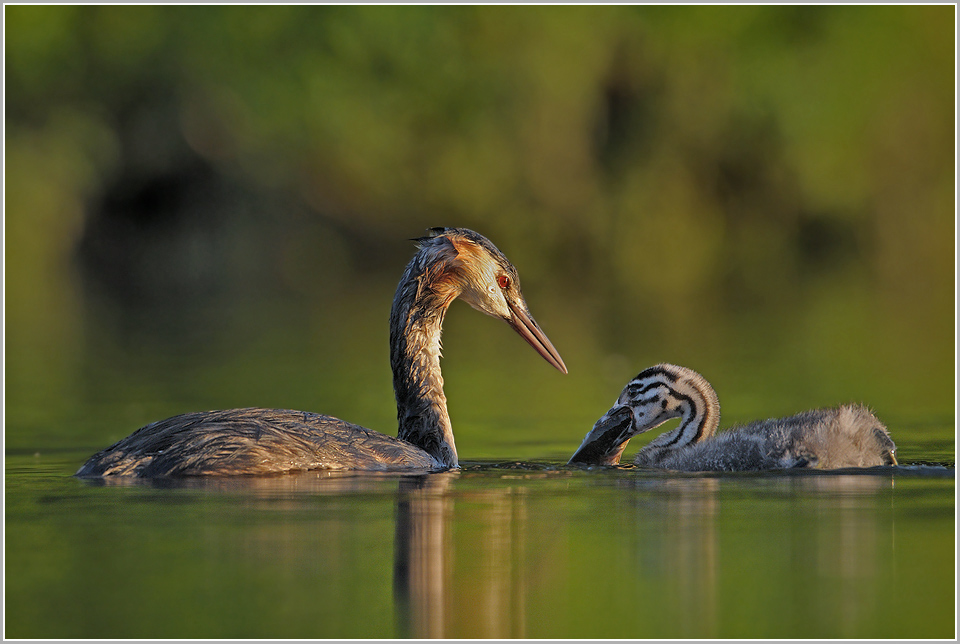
844,521
429,598
420,570
478,555
677,546
439,591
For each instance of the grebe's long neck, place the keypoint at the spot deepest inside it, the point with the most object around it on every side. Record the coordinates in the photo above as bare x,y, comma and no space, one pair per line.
428,286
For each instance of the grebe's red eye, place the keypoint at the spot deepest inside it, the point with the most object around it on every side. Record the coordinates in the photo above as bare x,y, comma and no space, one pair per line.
503,281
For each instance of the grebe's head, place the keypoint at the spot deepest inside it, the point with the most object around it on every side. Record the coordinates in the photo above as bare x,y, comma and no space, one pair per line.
486,280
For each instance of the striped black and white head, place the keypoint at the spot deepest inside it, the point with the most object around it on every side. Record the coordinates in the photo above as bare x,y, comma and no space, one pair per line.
655,396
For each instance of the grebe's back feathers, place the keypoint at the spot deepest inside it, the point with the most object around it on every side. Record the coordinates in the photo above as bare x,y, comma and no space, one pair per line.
253,441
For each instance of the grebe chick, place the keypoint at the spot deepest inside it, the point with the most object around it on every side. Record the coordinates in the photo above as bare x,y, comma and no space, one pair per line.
449,263
845,436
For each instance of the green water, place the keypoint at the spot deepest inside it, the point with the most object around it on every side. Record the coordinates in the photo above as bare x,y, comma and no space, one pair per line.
209,208
493,550
496,549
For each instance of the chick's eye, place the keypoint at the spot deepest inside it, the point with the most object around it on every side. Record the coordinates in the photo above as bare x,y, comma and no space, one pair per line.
503,281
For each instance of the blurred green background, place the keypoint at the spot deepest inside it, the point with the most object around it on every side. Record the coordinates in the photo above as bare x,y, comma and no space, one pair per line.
208,207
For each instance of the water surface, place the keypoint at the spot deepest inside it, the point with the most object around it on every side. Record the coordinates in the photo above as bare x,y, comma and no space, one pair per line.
496,549
515,544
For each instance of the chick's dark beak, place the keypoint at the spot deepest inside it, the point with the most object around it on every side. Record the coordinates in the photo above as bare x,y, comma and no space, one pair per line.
524,324
616,423
604,444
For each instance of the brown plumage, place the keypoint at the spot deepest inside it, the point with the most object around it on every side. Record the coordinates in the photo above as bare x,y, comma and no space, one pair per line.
449,263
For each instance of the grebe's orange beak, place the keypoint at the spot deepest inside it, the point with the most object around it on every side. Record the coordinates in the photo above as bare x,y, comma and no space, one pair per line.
524,324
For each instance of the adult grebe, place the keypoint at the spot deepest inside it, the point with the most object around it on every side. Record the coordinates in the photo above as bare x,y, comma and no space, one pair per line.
845,436
450,262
